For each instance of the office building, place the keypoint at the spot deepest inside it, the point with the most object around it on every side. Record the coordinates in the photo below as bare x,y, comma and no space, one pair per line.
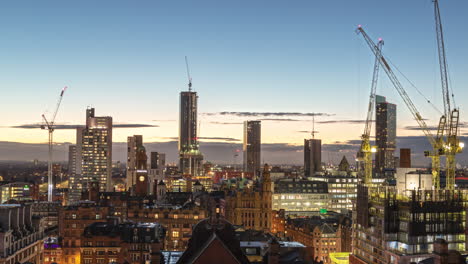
312,156
157,166
133,144
18,191
72,164
342,189
190,157
300,196
57,175
385,135
252,146
93,155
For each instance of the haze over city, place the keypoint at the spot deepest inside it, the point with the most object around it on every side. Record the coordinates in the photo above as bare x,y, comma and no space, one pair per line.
246,58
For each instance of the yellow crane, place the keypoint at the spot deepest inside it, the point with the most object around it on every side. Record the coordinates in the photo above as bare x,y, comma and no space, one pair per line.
436,142
366,150
452,144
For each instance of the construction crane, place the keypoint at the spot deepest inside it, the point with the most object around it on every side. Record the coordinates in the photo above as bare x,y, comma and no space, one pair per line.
365,152
50,126
436,142
452,144
188,75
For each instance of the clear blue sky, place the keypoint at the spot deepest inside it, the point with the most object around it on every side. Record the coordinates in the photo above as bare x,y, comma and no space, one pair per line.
126,58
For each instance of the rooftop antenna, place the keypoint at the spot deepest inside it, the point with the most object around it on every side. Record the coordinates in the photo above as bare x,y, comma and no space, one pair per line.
313,132
188,75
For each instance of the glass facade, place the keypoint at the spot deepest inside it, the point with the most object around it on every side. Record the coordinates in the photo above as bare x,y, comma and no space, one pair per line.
385,135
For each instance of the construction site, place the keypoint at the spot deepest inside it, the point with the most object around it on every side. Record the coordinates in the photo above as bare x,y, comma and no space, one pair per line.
394,225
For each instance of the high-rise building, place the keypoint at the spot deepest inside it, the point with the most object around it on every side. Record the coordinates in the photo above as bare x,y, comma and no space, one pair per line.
312,156
307,158
71,163
56,174
93,154
157,166
133,144
190,157
385,134
252,146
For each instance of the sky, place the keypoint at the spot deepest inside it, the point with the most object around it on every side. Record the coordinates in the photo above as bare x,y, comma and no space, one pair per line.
126,59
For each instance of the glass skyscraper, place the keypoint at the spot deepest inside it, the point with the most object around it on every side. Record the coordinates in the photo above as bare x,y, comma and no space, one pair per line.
385,135
190,157
252,146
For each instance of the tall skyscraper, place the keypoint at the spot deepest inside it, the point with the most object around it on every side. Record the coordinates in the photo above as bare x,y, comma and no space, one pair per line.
252,146
133,144
385,134
312,156
94,154
190,157
307,157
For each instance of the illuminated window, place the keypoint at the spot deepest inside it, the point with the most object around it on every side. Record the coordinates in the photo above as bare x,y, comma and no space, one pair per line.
195,217
175,234
176,216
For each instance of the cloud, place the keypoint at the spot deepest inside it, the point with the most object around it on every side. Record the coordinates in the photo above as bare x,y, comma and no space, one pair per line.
223,152
306,131
164,120
280,119
220,139
417,128
434,128
260,114
35,126
361,121
226,123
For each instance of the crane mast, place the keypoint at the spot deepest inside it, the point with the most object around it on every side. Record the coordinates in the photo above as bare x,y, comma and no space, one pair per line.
435,143
366,150
50,126
452,144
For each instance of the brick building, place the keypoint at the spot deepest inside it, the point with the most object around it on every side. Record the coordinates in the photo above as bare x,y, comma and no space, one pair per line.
21,235
133,243
72,222
322,236
252,207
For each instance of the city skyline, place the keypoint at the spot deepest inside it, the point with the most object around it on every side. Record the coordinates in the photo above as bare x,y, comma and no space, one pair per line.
84,59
